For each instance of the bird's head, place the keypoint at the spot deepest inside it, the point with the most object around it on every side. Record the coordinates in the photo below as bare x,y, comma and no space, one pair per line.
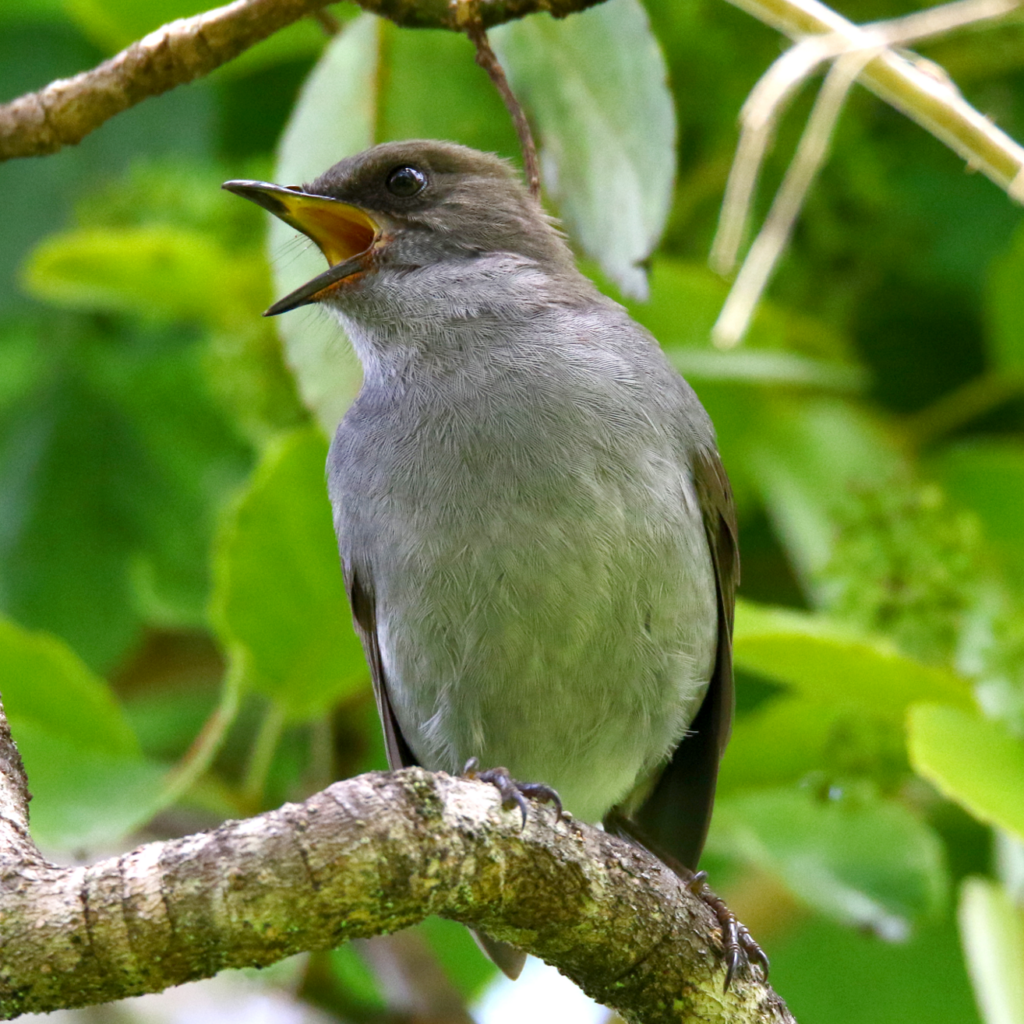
403,206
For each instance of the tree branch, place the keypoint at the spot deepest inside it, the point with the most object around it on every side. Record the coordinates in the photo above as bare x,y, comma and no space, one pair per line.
364,857
930,101
68,109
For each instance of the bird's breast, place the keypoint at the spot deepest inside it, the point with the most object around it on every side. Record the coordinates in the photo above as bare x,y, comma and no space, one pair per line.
545,596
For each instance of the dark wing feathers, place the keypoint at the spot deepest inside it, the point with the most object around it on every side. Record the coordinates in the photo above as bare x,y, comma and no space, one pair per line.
360,595
674,819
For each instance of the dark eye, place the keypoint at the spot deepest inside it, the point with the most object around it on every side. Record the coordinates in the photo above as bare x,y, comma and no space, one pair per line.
405,182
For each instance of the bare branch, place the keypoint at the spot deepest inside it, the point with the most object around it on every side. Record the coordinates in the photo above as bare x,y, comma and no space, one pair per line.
368,856
856,50
924,98
769,98
488,60
68,109
750,283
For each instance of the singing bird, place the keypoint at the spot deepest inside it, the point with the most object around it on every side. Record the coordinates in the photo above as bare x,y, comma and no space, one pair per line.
537,535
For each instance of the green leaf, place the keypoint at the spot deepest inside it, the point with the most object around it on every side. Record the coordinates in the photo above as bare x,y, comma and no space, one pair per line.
83,797
676,285
335,116
595,86
115,462
355,977
972,760
88,781
1005,306
192,463
988,478
464,964
32,11
832,974
861,861
114,24
828,664
279,599
154,270
302,40
69,470
44,683
992,934
791,739
806,457
461,104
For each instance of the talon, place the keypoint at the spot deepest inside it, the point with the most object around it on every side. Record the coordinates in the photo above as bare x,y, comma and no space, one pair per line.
695,883
732,966
514,793
738,946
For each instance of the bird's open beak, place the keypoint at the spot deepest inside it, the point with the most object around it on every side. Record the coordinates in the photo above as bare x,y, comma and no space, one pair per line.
345,234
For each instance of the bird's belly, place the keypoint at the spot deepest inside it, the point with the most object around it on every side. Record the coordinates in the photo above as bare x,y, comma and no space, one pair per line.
571,644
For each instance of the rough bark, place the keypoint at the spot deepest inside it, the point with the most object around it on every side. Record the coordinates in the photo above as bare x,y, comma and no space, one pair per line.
365,857
68,109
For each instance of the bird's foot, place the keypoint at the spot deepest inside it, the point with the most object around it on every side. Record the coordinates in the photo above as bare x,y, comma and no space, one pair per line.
738,946
513,793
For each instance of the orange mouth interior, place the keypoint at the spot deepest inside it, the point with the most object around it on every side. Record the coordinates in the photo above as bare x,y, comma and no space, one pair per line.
340,231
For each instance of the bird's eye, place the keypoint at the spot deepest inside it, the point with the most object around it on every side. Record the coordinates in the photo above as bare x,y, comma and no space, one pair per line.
406,181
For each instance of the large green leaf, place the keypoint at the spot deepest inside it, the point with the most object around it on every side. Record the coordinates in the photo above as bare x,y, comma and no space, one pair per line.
88,780
279,599
595,87
826,663
70,469
114,463
461,105
193,462
992,933
859,860
833,974
155,270
45,683
973,760
792,739
83,797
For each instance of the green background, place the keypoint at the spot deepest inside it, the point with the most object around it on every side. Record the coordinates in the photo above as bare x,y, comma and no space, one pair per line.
165,540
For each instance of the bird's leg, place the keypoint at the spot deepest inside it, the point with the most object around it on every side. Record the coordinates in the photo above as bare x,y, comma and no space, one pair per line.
738,944
514,793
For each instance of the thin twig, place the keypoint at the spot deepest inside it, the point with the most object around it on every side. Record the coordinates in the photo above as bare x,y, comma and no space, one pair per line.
488,60
757,268
911,90
768,99
68,109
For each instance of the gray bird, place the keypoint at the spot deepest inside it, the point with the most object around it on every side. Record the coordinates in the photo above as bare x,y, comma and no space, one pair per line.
537,535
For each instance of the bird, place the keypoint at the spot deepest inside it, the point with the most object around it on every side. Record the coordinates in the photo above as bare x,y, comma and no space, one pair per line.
537,534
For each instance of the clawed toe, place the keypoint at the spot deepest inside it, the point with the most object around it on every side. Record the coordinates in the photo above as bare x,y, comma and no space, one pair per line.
514,793
739,949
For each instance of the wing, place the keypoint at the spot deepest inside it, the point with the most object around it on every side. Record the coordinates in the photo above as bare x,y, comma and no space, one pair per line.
360,595
364,616
674,819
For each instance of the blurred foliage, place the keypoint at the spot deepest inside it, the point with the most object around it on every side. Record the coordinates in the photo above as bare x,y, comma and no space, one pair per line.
166,555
